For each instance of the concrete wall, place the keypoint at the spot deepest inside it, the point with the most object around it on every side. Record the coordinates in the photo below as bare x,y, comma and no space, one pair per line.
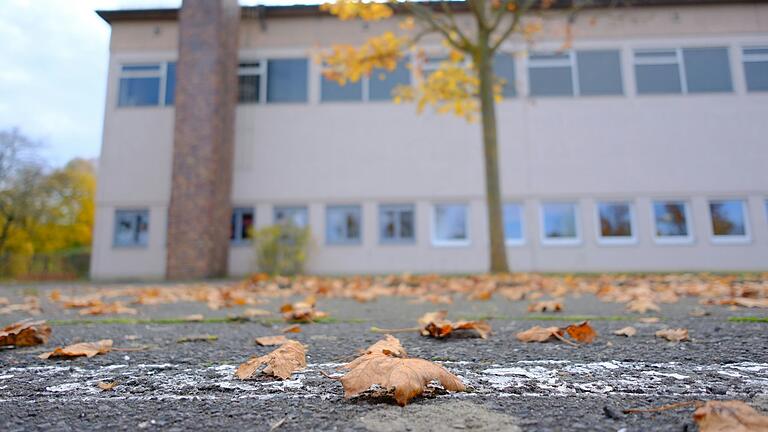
582,149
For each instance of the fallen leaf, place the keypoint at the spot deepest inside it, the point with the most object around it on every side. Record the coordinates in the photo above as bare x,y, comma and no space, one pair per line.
729,416
432,317
303,311
108,308
540,334
628,331
31,306
198,338
271,340
481,295
649,320
389,346
699,312
281,363
295,328
25,333
582,332
106,385
194,318
642,305
254,313
546,306
673,335
88,349
435,325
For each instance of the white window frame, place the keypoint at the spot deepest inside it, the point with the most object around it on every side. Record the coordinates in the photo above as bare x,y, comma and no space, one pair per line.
163,76
611,241
573,241
515,242
673,240
545,63
730,239
450,243
678,61
277,208
397,207
752,58
261,71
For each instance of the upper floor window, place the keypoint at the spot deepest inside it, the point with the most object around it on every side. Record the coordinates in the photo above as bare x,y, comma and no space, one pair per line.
450,225
378,86
671,220
580,73
560,223
599,72
756,68
512,214
250,82
686,70
729,220
298,216
615,222
383,83
131,227
504,68
551,74
242,224
396,223
343,224
287,80
147,84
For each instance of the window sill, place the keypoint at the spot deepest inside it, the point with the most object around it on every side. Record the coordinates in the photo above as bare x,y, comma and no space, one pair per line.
561,242
514,243
450,244
673,240
730,240
607,241
129,247
343,243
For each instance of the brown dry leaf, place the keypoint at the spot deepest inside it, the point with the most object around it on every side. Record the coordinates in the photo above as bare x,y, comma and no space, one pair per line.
628,331
271,340
303,311
389,346
435,325
430,317
108,308
406,376
25,333
280,363
295,328
88,349
31,305
539,334
673,335
649,320
194,318
106,385
481,295
4,301
729,416
546,306
255,313
642,305
582,332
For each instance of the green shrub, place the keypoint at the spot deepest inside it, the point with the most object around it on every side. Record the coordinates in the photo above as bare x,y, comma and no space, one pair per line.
281,249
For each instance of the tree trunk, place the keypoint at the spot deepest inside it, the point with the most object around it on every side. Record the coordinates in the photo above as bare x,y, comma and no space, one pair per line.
484,62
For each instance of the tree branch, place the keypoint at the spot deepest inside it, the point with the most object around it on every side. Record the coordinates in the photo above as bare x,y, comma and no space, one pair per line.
519,12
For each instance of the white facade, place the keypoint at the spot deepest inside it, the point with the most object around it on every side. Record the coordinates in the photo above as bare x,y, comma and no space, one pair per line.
634,148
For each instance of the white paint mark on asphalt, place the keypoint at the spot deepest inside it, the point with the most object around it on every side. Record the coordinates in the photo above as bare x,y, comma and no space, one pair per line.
6,376
671,375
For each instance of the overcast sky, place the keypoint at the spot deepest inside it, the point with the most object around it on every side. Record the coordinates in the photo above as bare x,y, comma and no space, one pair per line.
53,70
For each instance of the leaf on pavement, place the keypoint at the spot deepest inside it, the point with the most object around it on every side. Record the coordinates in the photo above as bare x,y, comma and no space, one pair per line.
25,333
303,311
649,320
271,340
108,308
729,416
540,334
106,386
642,305
88,349
435,325
406,377
546,306
628,331
255,313
582,332
295,328
280,363
673,335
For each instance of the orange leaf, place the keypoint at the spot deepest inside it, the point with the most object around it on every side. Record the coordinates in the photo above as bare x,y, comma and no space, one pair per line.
583,332
88,349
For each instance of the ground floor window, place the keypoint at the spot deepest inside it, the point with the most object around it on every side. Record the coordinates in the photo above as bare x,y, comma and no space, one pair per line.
396,223
343,224
615,222
671,220
559,223
449,225
513,223
241,228
131,227
298,216
729,221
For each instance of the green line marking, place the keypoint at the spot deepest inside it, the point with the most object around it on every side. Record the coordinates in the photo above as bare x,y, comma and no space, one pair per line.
748,319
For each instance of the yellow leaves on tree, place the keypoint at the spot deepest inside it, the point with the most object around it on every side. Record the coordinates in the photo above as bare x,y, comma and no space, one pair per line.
436,325
405,378
346,63
729,416
280,363
350,9
25,333
87,349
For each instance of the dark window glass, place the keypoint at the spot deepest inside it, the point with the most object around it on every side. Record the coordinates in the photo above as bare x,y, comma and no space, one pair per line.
728,218
756,68
658,79
396,223
248,87
241,227
615,220
131,227
139,91
343,224
551,81
504,68
671,219
170,84
332,91
382,83
287,80
707,70
599,72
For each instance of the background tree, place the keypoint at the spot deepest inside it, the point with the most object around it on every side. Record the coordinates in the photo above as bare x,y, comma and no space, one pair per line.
473,32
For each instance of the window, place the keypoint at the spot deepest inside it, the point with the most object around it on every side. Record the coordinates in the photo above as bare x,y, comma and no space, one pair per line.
242,225
550,74
250,79
615,223
504,68
298,216
332,91
287,80
756,68
382,83
513,224
147,84
599,72
671,220
707,70
378,86
729,221
449,225
343,224
559,224
658,71
396,223
131,228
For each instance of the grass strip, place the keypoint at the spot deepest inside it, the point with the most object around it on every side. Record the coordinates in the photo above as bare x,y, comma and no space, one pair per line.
748,319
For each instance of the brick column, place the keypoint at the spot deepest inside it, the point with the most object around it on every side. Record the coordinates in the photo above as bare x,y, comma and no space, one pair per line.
206,96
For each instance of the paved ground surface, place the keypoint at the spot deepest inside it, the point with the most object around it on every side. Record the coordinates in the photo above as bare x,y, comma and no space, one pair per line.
514,386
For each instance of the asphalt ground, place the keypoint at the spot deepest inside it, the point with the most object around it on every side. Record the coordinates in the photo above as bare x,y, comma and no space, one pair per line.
163,384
